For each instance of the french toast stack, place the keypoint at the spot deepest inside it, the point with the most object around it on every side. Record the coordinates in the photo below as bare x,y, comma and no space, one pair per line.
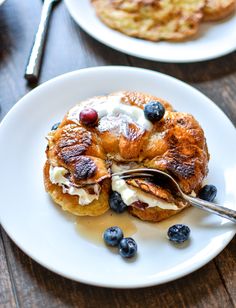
155,20
81,157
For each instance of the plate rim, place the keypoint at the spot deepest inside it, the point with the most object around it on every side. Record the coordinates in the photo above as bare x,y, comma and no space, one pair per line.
138,55
227,238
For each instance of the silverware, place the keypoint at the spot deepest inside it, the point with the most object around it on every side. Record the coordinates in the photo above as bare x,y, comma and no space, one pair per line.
199,203
34,62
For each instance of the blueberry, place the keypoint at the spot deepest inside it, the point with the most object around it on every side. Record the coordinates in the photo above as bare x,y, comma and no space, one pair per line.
112,236
154,111
116,203
208,193
178,233
55,126
127,247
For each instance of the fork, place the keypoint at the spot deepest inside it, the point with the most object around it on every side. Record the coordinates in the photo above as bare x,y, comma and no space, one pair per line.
161,175
34,62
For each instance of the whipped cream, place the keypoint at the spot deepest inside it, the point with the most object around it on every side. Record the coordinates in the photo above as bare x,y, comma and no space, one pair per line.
119,167
130,195
113,114
57,176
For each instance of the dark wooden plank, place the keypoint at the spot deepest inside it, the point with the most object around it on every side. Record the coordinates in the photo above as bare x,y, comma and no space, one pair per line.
68,49
15,42
226,264
215,78
7,298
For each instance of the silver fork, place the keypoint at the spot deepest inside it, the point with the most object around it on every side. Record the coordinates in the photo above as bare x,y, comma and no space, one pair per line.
34,62
199,203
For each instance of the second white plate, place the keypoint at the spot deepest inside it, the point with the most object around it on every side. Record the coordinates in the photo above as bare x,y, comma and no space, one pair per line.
1,2
215,39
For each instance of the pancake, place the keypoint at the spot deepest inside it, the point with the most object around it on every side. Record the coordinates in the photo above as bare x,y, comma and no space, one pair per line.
70,203
82,158
178,147
153,20
218,9
162,195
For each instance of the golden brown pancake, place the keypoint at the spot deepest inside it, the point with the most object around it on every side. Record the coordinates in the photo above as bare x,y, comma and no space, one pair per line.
70,203
154,20
83,155
156,214
218,9
178,146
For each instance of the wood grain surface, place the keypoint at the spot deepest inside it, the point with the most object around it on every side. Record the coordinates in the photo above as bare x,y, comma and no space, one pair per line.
23,282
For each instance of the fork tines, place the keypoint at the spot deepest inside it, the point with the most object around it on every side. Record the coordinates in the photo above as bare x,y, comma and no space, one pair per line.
134,175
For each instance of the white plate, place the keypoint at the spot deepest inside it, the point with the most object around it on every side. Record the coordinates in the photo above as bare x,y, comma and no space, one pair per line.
50,236
214,39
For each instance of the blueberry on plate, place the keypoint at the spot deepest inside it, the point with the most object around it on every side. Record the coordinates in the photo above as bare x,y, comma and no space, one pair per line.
178,233
112,236
55,126
154,111
208,193
127,247
116,203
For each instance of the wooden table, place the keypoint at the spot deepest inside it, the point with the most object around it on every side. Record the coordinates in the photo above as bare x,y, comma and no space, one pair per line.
23,282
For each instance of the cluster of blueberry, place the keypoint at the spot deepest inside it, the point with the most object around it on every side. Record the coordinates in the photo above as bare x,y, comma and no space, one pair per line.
177,233
114,237
127,246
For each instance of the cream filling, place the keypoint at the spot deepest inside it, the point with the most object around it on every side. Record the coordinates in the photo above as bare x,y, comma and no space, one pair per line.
113,114
57,176
130,195
119,167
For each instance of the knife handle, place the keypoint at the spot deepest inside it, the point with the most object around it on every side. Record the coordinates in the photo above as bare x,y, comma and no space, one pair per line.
33,66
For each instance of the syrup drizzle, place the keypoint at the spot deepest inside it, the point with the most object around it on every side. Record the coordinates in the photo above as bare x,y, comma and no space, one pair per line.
92,228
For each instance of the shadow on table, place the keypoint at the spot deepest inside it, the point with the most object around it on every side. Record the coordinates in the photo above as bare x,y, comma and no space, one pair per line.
7,33
193,72
189,72
195,290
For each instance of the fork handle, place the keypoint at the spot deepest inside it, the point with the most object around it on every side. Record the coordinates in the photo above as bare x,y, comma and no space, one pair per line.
34,62
212,208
